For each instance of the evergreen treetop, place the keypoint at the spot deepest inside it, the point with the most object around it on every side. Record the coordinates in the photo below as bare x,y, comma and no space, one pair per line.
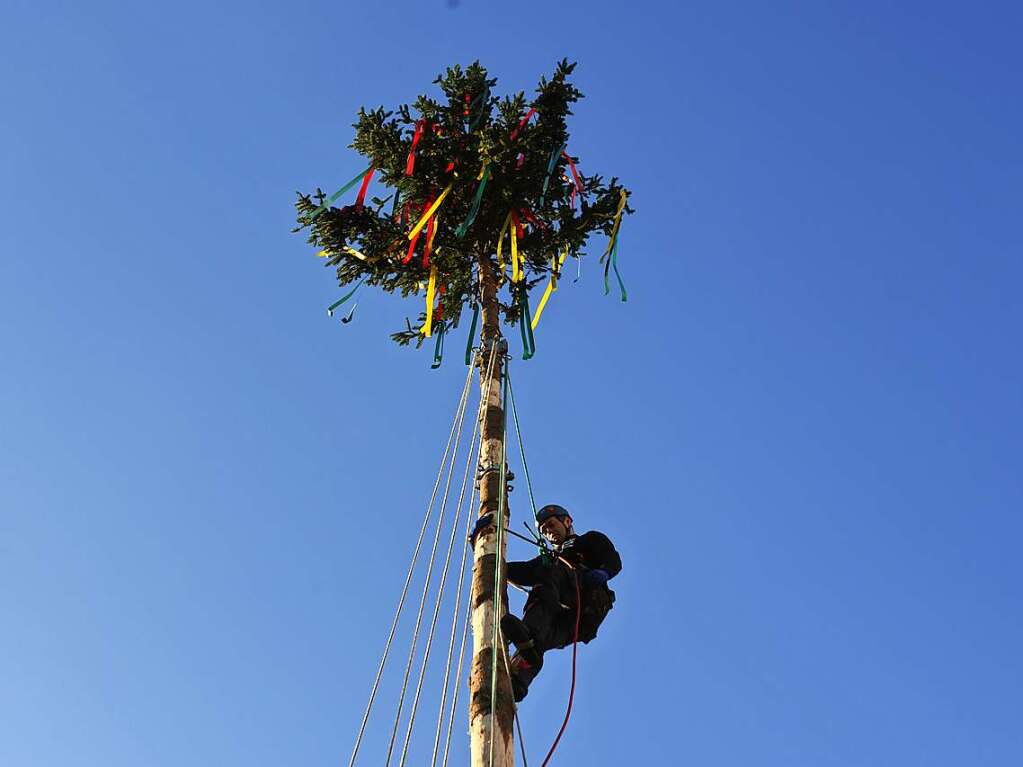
504,168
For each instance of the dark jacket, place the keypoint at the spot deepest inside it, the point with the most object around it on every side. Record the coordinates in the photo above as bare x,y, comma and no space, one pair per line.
556,582
592,550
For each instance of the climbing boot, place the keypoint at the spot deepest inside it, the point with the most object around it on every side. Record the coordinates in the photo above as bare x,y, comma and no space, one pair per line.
517,632
522,673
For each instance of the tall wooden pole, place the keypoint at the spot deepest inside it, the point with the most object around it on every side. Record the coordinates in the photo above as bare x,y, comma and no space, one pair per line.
483,721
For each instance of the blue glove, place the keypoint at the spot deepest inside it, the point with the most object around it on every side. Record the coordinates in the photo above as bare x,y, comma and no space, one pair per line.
595,578
487,520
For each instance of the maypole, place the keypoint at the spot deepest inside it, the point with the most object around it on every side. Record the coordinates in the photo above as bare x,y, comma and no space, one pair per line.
483,202
491,709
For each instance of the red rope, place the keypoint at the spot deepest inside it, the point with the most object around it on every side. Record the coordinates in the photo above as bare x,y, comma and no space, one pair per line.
575,644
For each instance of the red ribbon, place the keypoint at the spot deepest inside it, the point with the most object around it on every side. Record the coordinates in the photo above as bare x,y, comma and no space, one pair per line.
362,189
520,230
575,173
410,164
528,215
522,122
411,247
429,238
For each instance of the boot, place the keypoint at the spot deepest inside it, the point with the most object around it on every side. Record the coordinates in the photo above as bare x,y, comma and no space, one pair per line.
517,632
522,673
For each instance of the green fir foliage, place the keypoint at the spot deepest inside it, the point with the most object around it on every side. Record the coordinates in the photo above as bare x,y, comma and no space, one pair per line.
468,125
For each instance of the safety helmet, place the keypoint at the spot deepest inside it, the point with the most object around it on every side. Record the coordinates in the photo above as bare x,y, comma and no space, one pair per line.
551,510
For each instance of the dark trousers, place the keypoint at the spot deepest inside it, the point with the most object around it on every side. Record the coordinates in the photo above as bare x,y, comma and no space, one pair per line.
550,611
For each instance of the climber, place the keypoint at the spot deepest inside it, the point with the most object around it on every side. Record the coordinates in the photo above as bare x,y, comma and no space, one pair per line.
549,619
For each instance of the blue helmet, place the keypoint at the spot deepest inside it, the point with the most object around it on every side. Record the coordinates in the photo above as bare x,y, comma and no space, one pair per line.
551,510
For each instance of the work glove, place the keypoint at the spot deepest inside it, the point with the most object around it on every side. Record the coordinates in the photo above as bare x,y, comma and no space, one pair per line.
487,520
595,578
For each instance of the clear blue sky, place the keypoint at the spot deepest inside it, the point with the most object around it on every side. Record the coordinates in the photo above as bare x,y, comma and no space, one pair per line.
803,431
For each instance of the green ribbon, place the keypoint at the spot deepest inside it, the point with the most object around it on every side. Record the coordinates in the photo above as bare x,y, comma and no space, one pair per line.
472,333
464,227
346,320
613,261
345,297
525,328
438,349
337,194
484,97
394,207
550,170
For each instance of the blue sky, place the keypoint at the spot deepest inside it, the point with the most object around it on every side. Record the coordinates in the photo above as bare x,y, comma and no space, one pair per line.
802,431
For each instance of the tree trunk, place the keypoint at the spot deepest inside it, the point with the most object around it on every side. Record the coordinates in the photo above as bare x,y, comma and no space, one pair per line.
486,556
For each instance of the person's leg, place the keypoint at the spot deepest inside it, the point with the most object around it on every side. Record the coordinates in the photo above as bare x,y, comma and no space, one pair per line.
547,601
546,624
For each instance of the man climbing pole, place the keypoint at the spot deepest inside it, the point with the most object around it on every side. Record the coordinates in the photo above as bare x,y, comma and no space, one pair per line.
573,565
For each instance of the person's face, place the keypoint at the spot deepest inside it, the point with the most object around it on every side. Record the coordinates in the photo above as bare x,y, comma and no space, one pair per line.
556,529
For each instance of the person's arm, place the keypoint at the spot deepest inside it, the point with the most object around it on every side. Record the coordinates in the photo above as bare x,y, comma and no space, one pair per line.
600,554
525,573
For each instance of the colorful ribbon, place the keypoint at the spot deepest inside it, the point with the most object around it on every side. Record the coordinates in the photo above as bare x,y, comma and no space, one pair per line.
613,261
528,342
347,249
500,242
361,199
552,286
429,212
337,194
472,332
578,187
617,224
430,290
483,178
522,123
517,271
550,170
438,349
345,297
484,97
431,232
410,163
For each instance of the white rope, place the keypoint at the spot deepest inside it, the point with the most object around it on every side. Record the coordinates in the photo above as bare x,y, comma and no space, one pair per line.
408,578
515,706
465,635
461,568
429,572
440,587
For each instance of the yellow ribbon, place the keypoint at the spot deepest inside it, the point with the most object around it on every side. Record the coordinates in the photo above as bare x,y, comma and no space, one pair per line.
552,286
500,241
516,267
429,212
352,251
427,328
618,223
436,226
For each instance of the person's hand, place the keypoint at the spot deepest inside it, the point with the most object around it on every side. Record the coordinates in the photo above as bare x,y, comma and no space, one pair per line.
482,523
594,578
